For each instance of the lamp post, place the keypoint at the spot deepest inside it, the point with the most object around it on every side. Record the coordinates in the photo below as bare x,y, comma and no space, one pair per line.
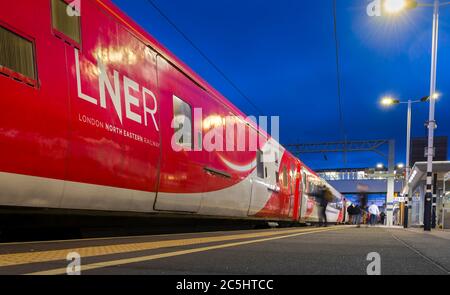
431,121
444,197
395,7
389,101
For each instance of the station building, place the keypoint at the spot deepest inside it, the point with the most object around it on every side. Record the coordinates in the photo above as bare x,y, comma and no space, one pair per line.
441,193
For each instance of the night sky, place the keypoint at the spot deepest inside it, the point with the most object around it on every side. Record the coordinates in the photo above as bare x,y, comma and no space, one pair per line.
281,54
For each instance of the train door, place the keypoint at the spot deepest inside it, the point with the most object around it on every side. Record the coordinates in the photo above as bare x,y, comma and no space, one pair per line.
285,192
265,182
292,195
298,191
287,195
303,196
227,173
182,179
260,188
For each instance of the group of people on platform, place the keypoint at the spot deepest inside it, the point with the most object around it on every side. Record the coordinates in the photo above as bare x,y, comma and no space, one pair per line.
358,213
365,215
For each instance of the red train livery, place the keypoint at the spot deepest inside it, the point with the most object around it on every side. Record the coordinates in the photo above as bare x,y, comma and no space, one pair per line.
88,104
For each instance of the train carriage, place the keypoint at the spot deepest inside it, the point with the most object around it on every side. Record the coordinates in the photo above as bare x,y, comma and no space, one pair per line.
91,106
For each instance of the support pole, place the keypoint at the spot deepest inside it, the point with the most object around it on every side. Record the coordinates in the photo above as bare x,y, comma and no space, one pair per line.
443,201
408,199
390,186
434,211
431,121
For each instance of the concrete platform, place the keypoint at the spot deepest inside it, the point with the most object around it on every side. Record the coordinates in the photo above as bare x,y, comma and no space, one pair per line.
296,251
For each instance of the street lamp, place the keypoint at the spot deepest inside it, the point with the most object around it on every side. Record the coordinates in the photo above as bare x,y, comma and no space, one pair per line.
395,7
380,167
390,101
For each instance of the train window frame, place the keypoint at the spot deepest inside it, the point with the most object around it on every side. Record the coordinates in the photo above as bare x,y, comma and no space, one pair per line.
285,177
61,35
192,138
304,182
312,187
14,74
260,167
293,178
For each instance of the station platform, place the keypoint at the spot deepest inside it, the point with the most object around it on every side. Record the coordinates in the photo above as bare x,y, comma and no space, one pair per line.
339,250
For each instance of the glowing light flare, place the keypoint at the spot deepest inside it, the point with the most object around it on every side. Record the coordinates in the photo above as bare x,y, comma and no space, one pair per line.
243,168
213,121
388,101
394,6
413,175
90,71
436,96
121,55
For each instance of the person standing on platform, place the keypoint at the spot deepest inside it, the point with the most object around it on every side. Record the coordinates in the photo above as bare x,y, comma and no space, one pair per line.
363,199
357,215
327,196
350,212
323,212
382,217
323,197
374,211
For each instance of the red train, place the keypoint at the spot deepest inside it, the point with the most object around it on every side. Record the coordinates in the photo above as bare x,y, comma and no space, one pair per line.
88,104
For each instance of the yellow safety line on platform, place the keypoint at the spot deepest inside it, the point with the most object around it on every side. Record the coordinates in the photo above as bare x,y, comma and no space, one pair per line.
61,271
14,259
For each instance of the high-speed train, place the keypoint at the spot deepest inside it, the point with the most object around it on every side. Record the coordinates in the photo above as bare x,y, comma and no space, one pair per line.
90,109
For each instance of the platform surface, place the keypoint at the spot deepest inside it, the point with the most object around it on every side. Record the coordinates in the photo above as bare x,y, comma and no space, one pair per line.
338,250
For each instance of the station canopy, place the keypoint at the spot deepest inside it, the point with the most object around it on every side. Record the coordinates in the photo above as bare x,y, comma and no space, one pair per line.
419,173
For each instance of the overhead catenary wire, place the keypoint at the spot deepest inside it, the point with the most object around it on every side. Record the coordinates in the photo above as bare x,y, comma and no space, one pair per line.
343,132
214,65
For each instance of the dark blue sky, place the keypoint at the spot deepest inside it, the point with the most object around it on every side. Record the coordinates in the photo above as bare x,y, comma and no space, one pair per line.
282,55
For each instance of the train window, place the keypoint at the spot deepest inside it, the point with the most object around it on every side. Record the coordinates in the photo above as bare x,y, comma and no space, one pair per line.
66,20
260,164
277,177
311,187
17,54
182,113
285,177
303,183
